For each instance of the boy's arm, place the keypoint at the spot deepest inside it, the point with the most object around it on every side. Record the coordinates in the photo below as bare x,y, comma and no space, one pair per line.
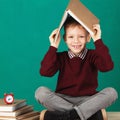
49,65
102,58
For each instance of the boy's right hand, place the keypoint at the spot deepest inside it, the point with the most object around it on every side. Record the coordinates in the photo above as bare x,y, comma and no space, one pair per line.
53,42
97,34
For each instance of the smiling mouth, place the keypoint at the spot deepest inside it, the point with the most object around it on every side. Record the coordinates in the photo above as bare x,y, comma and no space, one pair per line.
76,46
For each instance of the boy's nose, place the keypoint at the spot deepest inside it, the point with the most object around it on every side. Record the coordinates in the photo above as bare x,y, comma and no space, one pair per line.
76,40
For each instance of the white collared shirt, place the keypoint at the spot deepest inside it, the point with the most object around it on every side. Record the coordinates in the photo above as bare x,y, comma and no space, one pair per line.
81,55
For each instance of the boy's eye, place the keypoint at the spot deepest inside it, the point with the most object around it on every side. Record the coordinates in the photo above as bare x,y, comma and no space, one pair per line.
81,36
70,36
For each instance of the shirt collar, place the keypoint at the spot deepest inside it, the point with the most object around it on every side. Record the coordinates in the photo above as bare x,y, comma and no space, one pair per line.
81,55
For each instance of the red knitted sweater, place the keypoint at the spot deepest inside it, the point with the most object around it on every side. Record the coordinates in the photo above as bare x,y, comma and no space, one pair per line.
77,77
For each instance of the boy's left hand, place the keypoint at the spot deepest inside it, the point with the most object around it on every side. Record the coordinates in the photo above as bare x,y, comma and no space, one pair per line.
53,42
97,34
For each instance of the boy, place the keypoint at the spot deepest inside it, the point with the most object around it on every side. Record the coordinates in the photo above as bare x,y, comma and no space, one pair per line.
75,97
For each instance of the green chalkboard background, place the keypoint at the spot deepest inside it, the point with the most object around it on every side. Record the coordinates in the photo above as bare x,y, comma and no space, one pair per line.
25,26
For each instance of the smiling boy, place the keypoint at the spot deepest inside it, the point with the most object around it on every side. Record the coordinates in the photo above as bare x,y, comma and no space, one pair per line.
75,96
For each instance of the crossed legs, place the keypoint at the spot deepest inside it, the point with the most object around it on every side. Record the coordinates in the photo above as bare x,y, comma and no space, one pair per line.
85,106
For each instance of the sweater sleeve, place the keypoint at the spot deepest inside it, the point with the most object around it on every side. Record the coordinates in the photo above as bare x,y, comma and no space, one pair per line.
49,65
102,58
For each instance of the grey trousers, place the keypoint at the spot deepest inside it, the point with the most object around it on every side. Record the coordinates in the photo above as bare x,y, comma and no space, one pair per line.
85,106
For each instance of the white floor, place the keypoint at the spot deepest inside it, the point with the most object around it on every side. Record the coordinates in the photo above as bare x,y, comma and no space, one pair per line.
113,115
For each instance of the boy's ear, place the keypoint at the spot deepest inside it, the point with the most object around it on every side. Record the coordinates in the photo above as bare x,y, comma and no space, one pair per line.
64,37
88,38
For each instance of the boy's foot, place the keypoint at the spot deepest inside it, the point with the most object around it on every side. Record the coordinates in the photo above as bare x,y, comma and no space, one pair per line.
57,115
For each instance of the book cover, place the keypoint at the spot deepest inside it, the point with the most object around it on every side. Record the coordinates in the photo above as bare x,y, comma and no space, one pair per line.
17,112
81,14
11,107
7,118
30,118
28,115
36,117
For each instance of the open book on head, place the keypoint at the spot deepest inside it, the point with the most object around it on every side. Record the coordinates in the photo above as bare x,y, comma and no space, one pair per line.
81,14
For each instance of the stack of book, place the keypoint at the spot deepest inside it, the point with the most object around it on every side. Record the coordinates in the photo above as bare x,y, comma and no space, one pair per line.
19,110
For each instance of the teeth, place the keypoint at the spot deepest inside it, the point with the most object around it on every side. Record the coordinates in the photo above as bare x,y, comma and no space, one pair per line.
76,46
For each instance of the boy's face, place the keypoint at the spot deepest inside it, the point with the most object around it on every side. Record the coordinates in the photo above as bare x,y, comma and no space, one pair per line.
76,38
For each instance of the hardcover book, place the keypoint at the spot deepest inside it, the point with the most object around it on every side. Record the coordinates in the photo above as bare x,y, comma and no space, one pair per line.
11,107
28,115
81,14
17,112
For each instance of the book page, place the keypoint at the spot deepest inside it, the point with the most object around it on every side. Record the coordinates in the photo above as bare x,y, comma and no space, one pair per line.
61,24
78,20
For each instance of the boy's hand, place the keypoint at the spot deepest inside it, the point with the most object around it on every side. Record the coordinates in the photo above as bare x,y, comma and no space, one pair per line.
53,42
97,34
